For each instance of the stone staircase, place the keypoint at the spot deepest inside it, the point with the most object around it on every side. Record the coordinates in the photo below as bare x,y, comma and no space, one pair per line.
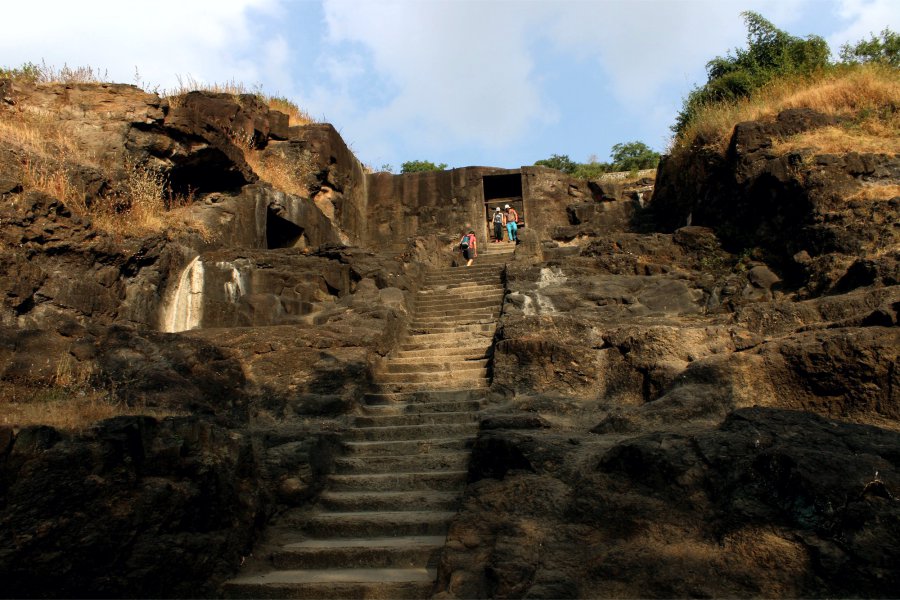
378,528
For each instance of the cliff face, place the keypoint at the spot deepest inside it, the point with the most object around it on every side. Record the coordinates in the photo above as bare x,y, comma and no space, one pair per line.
827,221
694,386
705,408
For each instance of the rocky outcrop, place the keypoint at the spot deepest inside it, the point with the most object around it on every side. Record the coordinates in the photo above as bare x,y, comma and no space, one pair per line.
742,509
687,391
803,209
675,393
132,508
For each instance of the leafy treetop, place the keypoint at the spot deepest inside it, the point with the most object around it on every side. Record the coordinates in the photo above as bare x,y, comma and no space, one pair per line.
884,49
771,52
418,166
628,156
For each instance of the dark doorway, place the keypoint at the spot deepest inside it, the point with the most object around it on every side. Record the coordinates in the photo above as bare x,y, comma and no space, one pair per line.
281,233
500,190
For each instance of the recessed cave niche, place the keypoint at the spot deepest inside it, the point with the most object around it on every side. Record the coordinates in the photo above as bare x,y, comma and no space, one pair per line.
500,190
206,171
281,233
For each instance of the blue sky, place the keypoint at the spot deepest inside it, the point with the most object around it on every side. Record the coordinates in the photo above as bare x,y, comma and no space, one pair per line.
464,82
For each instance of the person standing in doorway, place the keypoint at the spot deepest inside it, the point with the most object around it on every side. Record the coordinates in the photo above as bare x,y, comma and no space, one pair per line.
469,247
512,225
499,221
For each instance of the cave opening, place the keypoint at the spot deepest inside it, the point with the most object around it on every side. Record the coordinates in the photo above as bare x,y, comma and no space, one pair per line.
206,171
500,190
281,233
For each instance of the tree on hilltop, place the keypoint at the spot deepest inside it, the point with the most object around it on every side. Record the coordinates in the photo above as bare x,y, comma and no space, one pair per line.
631,156
419,166
770,53
884,49
560,162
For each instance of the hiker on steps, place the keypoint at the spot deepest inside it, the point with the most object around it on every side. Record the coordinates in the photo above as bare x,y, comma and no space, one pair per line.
499,221
469,247
512,225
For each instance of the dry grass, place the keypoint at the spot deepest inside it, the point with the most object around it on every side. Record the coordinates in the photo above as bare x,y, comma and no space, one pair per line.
296,116
68,401
66,409
187,84
49,151
290,174
44,73
876,193
868,96
840,140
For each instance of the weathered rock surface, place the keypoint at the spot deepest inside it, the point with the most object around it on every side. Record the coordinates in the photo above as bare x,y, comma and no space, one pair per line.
133,508
698,387
742,509
687,398
799,208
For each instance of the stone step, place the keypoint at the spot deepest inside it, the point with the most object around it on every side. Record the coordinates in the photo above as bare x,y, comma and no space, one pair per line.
409,432
486,273
389,407
477,312
459,312
485,316
419,418
458,277
456,294
366,500
397,388
417,365
460,287
460,376
398,482
396,447
373,399
371,523
378,552
359,465
459,328
442,351
464,338
490,265
476,302
327,584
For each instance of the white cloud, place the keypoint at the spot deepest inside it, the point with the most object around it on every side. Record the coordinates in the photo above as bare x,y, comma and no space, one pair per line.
865,17
458,71
465,72
207,39
649,46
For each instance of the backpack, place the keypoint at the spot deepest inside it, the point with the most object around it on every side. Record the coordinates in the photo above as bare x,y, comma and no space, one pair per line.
464,242
498,217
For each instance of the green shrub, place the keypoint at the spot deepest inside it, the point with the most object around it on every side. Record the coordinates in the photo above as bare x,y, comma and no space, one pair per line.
419,166
633,156
885,49
560,162
770,53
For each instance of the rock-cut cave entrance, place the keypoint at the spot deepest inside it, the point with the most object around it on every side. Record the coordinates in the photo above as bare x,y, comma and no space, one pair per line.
281,233
500,190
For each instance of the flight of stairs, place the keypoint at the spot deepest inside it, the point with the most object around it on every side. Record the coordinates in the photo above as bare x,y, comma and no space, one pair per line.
378,528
